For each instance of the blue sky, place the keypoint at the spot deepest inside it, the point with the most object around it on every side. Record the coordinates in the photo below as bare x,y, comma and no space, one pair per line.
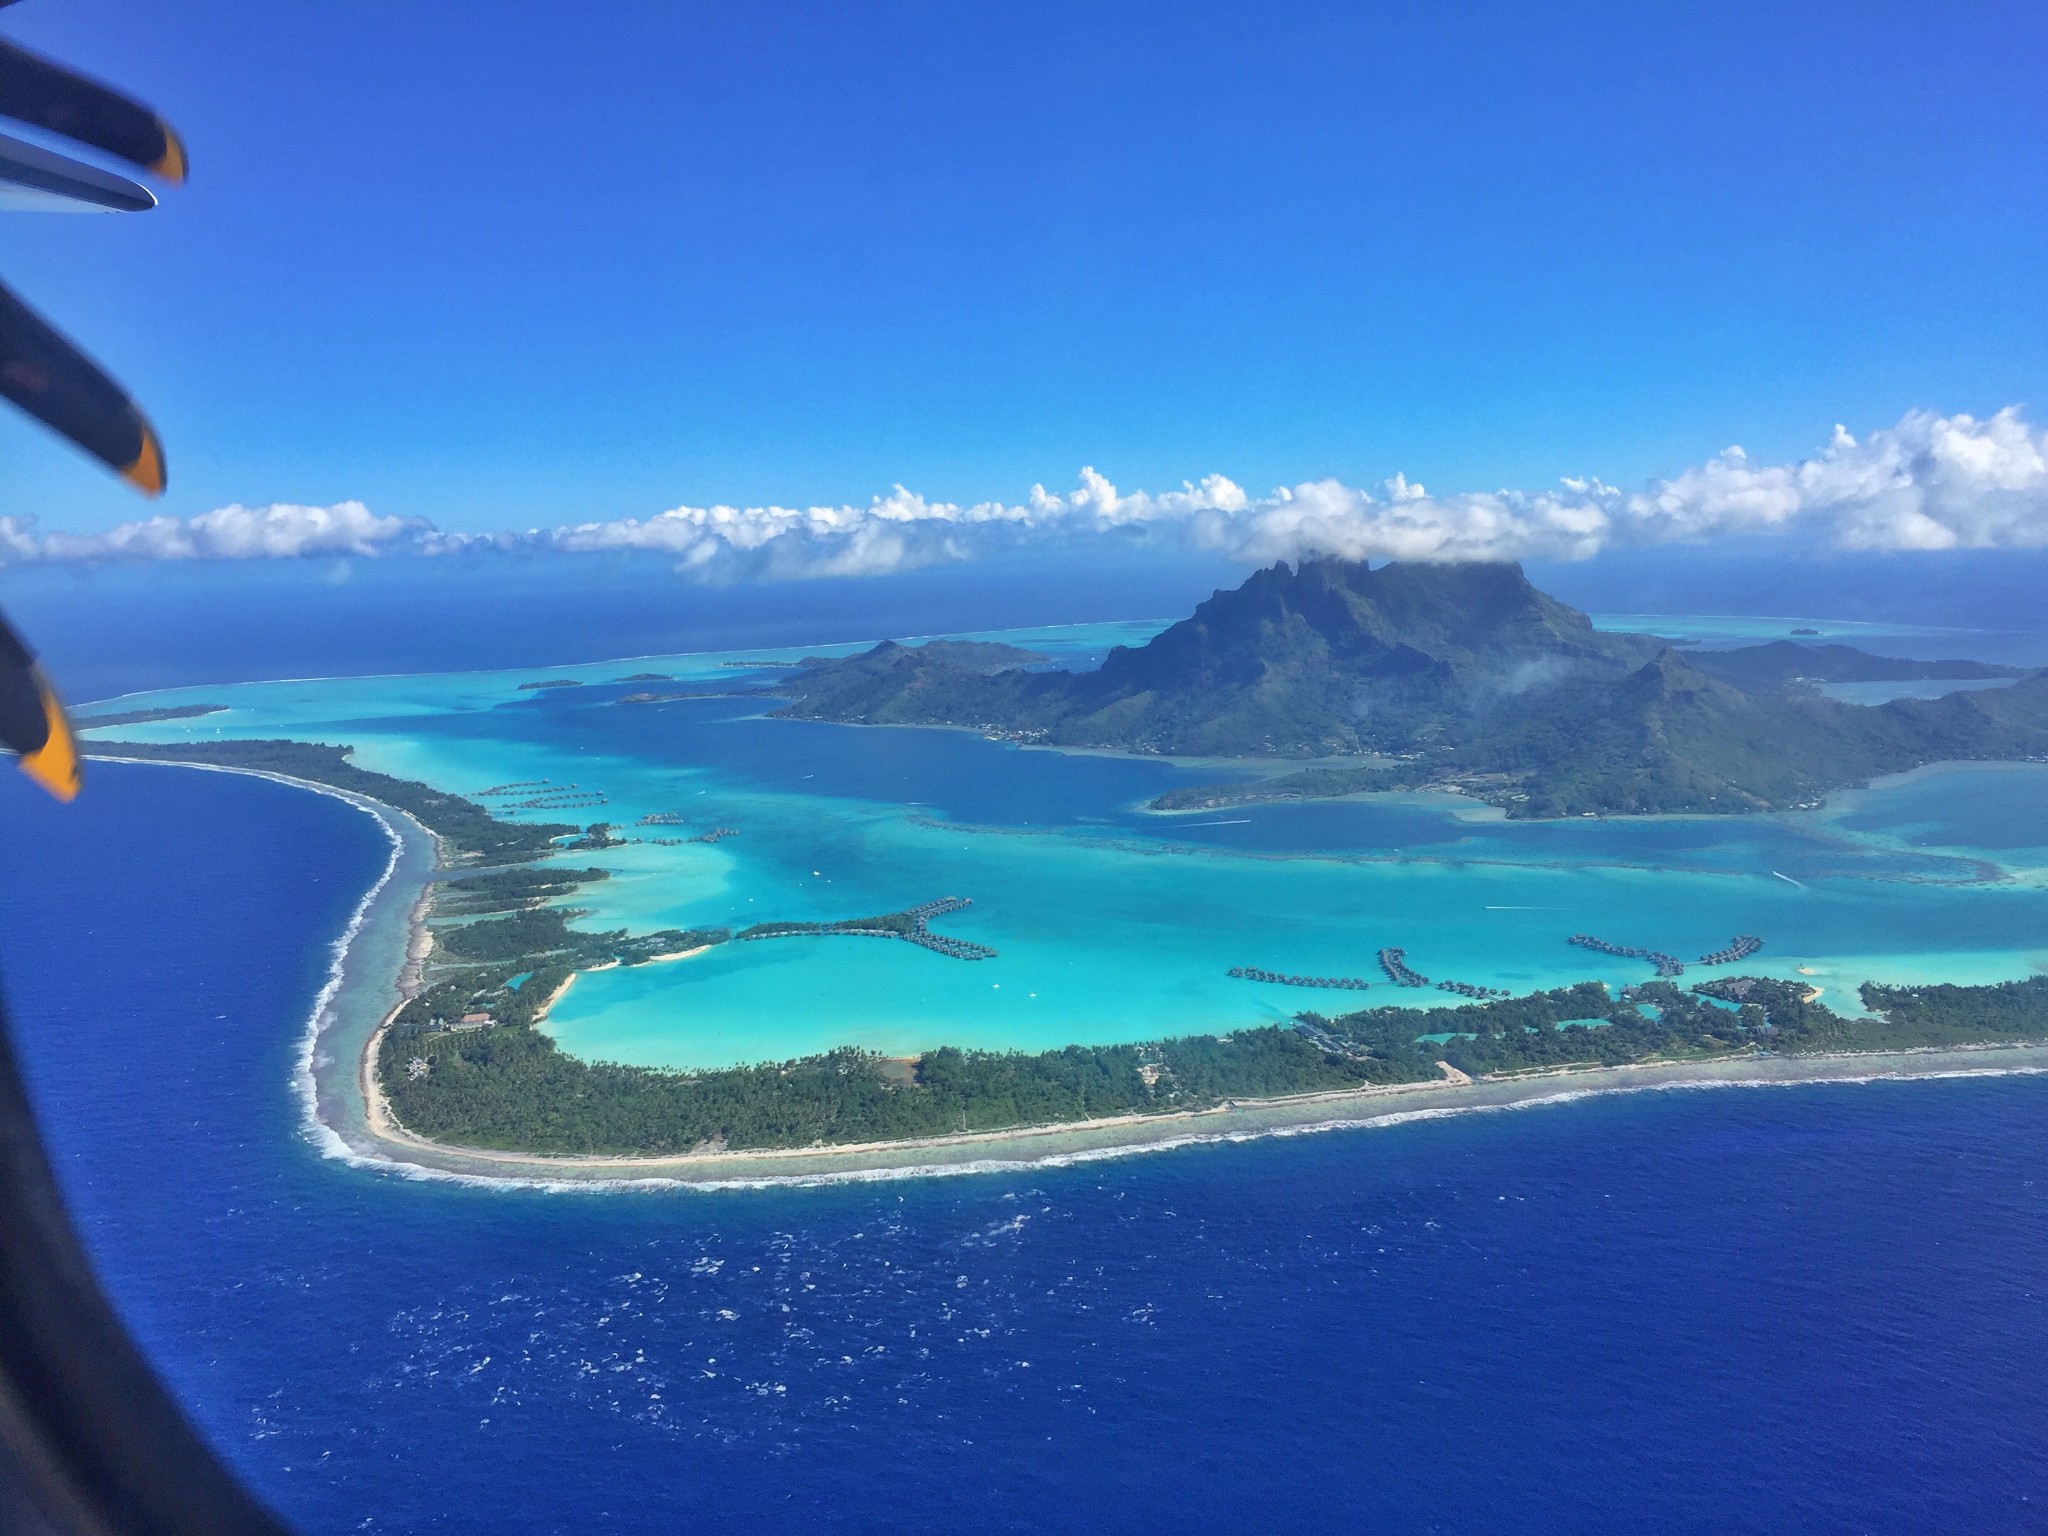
499,265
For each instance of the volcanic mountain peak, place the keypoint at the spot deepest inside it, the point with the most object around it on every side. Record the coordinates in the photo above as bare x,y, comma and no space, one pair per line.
1424,671
1348,616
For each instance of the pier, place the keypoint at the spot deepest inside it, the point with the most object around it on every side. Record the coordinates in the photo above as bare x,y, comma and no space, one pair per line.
683,842
712,836
958,949
560,802
1472,990
1395,963
1741,948
1253,973
1667,966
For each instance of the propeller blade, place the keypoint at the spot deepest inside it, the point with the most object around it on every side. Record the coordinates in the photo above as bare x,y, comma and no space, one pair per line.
65,390
32,721
33,90
34,178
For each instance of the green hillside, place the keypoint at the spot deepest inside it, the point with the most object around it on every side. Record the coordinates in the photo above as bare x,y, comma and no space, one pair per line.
1462,676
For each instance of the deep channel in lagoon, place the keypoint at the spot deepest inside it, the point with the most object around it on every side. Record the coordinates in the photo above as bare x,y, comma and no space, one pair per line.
1112,923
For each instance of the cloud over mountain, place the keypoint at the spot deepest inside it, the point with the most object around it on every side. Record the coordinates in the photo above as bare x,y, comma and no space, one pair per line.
1927,483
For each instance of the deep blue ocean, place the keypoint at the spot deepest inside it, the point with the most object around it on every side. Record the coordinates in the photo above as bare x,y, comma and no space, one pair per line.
1782,1309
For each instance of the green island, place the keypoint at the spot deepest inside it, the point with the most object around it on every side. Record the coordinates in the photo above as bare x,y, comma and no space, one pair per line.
462,1062
1452,677
508,1087
511,890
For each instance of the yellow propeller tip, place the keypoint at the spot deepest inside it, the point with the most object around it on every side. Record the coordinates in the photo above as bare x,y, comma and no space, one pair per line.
54,764
172,164
62,786
146,474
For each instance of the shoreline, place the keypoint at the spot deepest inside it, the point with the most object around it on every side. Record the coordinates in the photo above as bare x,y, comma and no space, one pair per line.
384,1143
1026,1147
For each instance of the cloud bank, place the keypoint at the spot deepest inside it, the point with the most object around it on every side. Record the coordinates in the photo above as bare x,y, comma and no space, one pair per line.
227,533
1927,483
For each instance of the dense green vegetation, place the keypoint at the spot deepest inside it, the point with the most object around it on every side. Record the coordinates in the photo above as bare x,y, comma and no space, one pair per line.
543,931
506,890
901,924
464,827
1569,1026
149,716
511,1088
508,1087
1458,676
597,837
1951,1015
1669,738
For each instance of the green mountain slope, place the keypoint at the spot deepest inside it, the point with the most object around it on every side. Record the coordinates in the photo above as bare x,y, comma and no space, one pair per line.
1442,675
1332,657
1669,738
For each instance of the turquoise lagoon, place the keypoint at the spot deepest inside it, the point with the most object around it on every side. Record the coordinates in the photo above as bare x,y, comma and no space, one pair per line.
1113,923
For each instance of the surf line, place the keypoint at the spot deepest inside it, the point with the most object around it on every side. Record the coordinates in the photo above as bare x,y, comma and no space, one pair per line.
1242,821
1788,880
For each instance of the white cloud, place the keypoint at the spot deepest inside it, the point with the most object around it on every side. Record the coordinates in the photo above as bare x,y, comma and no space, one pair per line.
226,533
900,531
1928,482
18,539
